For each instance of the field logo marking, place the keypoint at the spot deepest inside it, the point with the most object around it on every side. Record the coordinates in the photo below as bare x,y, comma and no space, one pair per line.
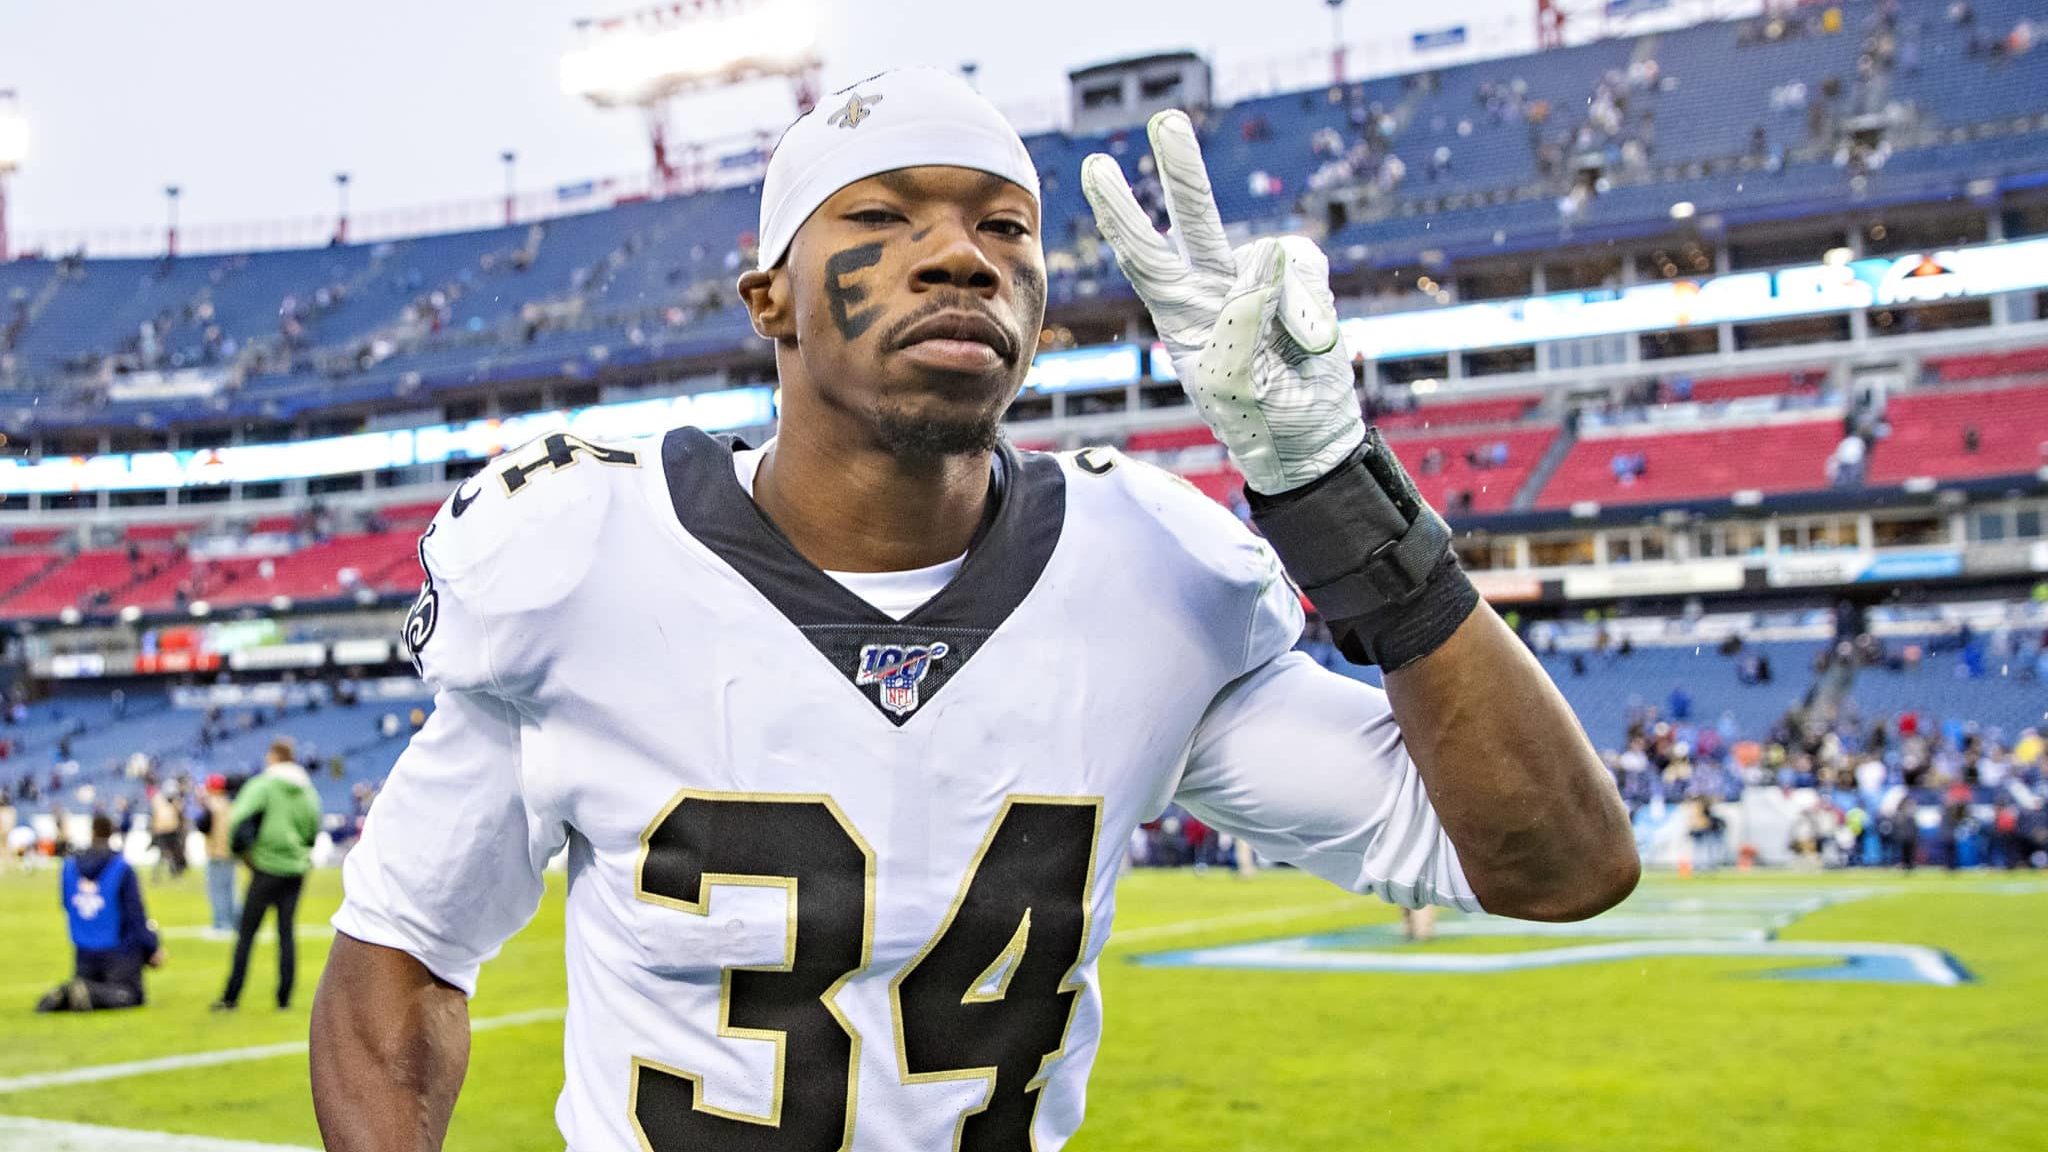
1654,923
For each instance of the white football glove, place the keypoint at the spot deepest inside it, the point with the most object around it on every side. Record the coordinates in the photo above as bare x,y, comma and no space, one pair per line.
1252,333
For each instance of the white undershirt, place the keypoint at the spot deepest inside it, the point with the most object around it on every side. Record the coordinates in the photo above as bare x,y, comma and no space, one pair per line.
894,594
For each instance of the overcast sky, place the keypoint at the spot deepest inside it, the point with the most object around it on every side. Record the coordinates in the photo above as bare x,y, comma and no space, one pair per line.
251,106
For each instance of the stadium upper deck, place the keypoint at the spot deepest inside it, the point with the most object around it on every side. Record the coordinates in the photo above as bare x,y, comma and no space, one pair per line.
1870,104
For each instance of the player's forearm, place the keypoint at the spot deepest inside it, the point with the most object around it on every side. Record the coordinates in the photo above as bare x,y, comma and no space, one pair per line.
1540,830
390,1045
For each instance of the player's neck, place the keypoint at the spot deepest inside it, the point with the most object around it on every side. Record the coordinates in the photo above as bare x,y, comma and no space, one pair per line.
859,509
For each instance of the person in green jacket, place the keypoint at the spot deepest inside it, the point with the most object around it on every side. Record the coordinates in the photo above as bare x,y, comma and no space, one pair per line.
273,823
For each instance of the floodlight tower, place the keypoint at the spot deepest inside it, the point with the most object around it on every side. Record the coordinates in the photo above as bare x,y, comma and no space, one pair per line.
645,59
13,150
1550,22
1336,41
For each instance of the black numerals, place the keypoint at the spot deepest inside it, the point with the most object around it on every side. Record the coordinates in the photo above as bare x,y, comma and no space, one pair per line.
989,998
993,993
803,845
560,450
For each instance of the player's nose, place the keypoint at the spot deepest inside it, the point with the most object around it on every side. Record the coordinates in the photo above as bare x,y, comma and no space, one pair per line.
952,257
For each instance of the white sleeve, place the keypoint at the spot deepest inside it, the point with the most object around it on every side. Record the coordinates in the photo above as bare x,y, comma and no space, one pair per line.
450,863
1310,768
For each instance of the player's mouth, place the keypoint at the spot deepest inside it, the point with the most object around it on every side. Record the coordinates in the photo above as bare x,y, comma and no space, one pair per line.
956,341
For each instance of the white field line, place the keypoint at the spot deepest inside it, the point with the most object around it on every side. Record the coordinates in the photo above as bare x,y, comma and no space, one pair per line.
102,1072
25,1134
122,1071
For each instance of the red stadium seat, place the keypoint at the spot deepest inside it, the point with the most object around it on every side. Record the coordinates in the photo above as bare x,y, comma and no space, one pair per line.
1492,489
1740,387
1457,414
1991,365
151,533
408,515
1167,439
106,569
1702,465
1224,485
18,568
36,537
1927,435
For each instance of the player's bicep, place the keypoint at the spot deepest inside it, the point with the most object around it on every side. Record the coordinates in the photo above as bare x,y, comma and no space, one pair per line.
451,859
1310,768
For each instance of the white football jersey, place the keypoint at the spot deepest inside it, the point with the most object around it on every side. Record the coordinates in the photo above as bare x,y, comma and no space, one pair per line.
837,880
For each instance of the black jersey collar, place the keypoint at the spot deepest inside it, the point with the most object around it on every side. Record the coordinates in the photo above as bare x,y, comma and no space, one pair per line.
898,665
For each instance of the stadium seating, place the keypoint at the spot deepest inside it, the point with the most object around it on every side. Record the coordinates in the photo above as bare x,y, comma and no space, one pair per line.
1927,437
1489,488
18,568
1442,470
157,533
99,570
37,582
1613,686
1457,414
102,743
199,581
1990,365
1702,465
1940,690
35,537
650,280
1742,387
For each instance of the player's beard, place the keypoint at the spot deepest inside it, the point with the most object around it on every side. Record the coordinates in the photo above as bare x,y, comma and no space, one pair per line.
920,439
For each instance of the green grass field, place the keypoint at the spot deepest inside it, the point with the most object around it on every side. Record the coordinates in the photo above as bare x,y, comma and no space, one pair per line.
1636,1055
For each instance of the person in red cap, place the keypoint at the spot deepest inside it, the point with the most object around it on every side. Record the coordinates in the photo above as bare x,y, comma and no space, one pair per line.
220,857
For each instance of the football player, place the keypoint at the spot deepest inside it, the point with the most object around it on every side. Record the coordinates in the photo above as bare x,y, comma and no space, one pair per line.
843,735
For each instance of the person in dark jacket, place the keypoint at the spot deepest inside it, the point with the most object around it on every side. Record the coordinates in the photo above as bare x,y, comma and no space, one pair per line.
111,933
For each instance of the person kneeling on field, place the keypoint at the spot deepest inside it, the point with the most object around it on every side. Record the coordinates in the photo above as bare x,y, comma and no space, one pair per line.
110,930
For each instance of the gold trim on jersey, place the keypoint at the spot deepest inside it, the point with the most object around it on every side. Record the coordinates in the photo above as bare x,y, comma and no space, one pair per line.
1001,968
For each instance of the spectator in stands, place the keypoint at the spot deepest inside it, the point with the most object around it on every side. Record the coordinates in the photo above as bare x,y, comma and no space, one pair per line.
1972,439
1900,827
1845,466
1679,705
167,830
216,824
112,937
282,813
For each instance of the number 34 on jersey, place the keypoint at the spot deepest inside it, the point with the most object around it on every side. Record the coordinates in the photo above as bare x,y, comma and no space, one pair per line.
989,998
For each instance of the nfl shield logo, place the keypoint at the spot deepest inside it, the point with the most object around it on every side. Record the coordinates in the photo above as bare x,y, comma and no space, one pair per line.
898,668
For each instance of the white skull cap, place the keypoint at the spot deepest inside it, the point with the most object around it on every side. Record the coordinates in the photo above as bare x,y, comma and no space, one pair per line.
900,119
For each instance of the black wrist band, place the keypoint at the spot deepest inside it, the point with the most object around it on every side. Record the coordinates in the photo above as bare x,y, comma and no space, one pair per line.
1372,556
1401,635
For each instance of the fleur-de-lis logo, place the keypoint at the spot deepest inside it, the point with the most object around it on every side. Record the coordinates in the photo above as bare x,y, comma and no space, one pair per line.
856,109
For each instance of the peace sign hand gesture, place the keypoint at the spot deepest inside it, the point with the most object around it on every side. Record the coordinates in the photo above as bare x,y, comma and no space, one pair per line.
1252,332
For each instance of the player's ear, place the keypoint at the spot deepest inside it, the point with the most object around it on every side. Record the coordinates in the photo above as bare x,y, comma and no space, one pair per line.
769,303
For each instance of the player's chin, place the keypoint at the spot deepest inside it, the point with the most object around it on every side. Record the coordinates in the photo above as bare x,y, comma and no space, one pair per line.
925,424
